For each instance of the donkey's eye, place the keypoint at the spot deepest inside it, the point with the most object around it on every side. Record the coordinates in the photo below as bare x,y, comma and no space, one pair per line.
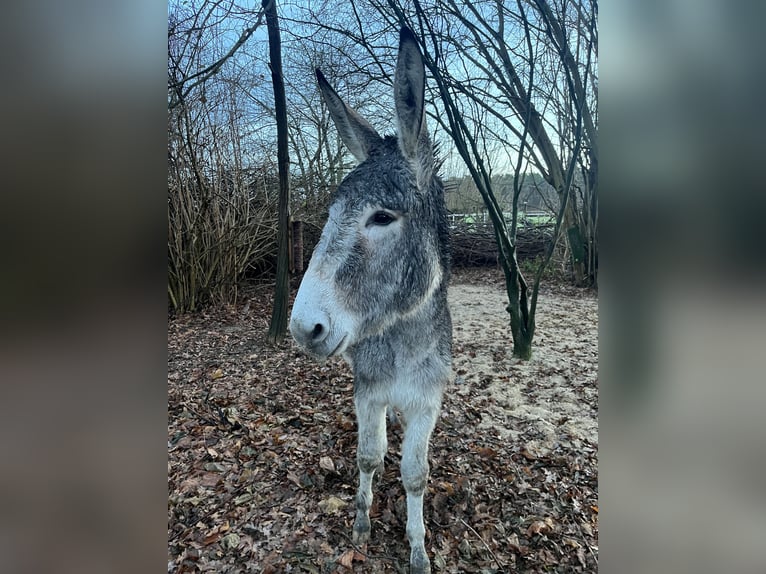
381,218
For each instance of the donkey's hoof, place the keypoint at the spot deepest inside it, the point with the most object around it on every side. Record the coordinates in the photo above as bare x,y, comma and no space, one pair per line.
360,537
419,562
361,533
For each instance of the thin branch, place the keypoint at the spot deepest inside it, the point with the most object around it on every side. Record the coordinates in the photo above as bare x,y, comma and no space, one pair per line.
472,529
181,88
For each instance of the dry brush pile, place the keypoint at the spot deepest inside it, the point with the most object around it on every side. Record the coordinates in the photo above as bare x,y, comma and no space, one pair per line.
474,245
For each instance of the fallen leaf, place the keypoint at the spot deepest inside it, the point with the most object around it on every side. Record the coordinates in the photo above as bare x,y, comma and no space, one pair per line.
447,487
332,505
513,543
243,498
544,526
528,455
581,557
347,558
231,540
232,415
292,477
571,542
210,479
326,463
439,562
487,452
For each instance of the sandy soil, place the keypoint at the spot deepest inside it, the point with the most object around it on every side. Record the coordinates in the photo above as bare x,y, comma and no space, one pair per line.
553,398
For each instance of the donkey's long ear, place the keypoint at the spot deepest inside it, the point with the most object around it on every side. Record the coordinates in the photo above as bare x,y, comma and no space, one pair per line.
354,130
409,92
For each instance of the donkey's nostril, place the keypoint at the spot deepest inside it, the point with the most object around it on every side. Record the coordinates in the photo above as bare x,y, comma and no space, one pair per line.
310,331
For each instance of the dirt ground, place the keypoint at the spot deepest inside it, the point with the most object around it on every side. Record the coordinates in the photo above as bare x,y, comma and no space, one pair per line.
261,441
551,399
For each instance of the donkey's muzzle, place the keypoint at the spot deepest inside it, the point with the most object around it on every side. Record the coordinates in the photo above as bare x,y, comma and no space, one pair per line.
310,331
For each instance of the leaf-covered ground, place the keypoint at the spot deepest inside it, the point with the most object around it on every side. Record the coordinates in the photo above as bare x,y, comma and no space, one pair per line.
262,442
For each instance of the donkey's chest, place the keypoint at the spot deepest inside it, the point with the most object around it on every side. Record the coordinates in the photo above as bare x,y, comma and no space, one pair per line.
404,394
387,375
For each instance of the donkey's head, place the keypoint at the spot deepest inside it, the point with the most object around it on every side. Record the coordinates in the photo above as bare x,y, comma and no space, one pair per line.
382,255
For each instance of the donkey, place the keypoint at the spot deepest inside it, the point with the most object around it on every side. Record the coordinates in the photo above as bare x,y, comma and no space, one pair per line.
375,291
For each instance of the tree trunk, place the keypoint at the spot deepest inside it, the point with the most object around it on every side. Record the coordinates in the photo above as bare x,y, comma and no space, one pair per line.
278,325
521,316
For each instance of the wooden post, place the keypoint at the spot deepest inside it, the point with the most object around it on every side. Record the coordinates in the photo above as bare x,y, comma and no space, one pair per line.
298,246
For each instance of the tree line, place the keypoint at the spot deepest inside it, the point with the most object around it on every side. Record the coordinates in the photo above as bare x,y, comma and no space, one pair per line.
512,100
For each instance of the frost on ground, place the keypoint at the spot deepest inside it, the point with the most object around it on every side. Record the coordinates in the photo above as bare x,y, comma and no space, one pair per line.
262,447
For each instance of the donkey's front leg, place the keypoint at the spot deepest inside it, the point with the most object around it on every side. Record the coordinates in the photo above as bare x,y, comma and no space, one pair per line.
371,419
415,478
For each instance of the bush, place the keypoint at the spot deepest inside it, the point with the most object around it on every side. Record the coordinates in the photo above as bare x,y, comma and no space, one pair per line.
217,230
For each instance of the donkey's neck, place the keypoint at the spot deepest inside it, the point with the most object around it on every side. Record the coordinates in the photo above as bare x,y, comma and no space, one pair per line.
414,339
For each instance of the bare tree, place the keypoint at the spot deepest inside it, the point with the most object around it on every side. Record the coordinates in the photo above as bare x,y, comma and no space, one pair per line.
278,325
495,98
221,206
184,81
320,157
